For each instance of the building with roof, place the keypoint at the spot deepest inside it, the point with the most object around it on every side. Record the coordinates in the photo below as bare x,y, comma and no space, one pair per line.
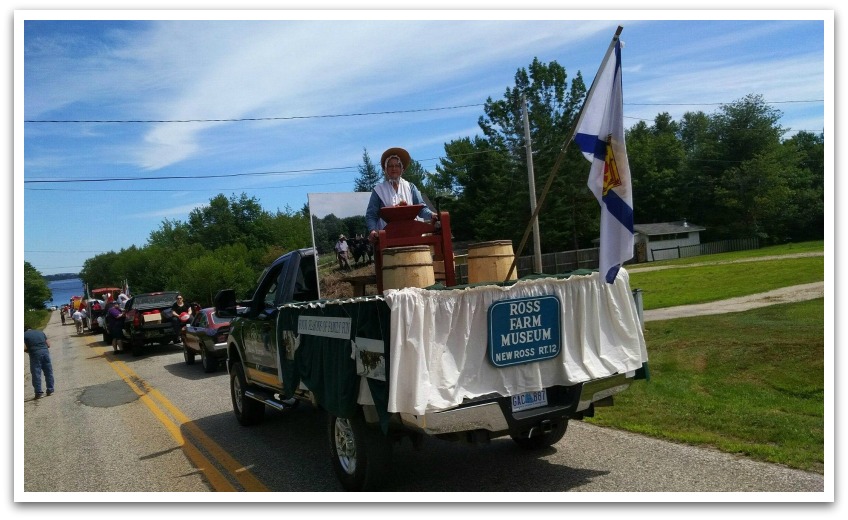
661,241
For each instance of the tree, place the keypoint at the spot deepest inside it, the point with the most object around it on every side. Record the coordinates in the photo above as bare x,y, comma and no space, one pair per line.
369,175
171,233
656,157
226,221
290,230
227,268
36,290
488,175
417,175
808,186
740,132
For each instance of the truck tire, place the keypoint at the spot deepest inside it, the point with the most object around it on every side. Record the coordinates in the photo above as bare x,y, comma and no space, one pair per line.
188,354
545,440
209,363
361,456
248,411
136,346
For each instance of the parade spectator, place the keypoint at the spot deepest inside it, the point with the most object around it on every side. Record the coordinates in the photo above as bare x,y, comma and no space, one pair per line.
122,299
38,348
115,325
179,308
77,317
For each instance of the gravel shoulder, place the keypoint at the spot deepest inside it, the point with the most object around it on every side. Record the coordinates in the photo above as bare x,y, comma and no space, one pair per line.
794,293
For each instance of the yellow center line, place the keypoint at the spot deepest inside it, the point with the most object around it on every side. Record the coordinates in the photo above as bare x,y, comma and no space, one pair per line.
215,478
220,483
238,470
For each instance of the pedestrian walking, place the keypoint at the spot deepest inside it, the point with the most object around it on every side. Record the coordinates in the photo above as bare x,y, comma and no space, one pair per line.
78,316
38,348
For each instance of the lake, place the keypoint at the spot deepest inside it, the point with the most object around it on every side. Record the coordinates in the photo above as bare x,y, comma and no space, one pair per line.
64,289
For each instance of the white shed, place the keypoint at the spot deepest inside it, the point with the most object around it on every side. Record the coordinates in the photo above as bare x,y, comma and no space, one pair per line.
661,241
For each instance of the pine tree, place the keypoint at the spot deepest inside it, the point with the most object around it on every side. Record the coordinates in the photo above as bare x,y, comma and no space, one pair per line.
369,176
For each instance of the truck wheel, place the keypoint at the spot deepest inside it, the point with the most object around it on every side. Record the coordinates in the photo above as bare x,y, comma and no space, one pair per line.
544,440
188,355
361,456
248,411
136,346
209,364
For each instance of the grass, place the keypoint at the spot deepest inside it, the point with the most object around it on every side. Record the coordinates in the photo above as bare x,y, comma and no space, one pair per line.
748,383
718,280
783,249
36,319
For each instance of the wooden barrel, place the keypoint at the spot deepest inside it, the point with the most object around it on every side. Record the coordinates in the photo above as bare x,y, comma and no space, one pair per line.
410,266
490,261
439,271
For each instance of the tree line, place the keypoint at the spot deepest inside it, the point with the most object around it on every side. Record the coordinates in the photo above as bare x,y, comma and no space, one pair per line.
730,171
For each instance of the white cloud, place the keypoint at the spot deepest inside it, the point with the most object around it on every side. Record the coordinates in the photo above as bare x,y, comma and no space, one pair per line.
174,211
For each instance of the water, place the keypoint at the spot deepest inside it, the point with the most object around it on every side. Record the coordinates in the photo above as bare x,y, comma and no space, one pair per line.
64,289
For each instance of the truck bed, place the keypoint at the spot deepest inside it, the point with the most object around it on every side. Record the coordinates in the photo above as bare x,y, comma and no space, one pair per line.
454,346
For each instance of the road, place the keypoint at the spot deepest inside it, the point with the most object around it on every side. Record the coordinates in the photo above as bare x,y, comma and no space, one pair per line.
154,424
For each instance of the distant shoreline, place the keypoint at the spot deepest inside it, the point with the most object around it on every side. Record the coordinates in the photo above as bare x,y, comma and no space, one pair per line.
60,276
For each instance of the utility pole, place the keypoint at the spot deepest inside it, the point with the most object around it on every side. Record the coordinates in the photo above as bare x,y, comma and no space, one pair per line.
537,247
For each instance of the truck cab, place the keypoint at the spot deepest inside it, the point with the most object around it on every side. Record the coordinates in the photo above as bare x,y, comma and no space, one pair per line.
253,344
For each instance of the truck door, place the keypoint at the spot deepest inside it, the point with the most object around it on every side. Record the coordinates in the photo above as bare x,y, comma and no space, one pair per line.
260,331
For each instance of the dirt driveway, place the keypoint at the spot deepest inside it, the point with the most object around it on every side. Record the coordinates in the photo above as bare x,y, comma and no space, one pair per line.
795,293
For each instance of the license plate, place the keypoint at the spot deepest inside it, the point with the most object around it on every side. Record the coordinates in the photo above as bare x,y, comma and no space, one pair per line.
529,400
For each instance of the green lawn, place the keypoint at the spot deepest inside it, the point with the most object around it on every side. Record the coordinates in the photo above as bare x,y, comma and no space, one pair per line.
719,280
750,383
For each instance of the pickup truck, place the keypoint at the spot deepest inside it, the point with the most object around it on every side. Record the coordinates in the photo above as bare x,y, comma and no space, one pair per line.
464,363
147,321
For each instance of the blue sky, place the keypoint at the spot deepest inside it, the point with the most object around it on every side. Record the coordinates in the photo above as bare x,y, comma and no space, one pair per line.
297,101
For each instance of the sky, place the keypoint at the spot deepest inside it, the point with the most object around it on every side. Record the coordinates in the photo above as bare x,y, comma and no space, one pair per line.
282,104
125,119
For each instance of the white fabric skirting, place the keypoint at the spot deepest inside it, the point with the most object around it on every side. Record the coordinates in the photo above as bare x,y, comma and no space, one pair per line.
439,341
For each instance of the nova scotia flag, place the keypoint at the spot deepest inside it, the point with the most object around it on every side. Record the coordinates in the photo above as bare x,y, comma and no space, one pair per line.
600,136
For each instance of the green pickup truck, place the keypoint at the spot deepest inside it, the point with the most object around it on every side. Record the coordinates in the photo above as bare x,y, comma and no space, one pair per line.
464,363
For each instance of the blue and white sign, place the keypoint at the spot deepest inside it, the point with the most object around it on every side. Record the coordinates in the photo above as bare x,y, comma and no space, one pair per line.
524,330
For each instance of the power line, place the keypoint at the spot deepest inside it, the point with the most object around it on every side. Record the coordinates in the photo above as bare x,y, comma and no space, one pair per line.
240,119
172,190
716,104
169,177
354,114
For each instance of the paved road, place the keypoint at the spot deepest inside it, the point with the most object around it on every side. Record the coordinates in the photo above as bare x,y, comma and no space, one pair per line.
94,434
107,430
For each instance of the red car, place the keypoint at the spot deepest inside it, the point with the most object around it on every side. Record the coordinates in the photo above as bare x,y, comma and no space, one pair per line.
206,334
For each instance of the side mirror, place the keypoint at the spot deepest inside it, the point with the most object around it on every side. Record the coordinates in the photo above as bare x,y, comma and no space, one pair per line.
225,303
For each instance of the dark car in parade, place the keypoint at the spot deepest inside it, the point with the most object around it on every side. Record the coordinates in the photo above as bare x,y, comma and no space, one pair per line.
206,335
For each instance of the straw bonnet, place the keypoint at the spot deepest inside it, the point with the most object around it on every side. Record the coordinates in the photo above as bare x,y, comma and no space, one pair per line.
402,154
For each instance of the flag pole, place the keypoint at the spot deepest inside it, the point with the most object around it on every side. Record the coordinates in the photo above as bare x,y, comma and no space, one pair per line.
561,155
595,81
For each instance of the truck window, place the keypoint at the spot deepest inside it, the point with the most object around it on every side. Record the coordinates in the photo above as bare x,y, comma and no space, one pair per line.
270,296
268,290
306,285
